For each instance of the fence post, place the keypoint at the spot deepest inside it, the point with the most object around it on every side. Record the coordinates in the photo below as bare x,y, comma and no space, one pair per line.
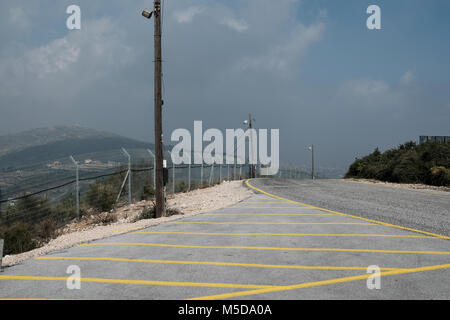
220,173
211,174
201,176
173,178
234,172
189,177
240,172
1,253
77,188
129,174
228,173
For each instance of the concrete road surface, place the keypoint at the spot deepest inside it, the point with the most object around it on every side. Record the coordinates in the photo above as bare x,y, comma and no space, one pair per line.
266,247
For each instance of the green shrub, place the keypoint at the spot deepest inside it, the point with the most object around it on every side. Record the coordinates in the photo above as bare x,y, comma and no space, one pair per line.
181,186
148,192
18,238
438,176
101,196
409,163
45,230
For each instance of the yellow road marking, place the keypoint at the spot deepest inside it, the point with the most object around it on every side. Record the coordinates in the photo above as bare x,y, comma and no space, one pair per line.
240,207
319,283
260,248
286,234
142,282
34,299
347,215
268,214
277,223
212,263
251,202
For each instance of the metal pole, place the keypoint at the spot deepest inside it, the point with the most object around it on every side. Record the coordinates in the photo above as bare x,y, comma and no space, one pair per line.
173,178
129,174
312,171
201,176
211,174
77,188
228,173
1,253
189,177
220,173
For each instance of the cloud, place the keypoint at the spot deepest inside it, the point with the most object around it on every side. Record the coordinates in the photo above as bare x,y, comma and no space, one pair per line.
80,57
55,57
188,14
408,78
280,57
18,17
234,24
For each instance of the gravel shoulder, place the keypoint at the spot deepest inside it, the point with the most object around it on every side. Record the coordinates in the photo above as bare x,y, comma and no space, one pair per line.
189,203
427,211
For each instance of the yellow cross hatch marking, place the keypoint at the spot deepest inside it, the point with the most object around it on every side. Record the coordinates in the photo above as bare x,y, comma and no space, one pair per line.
211,263
319,283
261,248
284,234
142,282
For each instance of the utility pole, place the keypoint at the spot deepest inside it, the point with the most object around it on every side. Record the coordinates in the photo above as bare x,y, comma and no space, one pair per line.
159,187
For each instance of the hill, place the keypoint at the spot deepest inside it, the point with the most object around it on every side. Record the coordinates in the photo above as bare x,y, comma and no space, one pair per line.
427,163
40,146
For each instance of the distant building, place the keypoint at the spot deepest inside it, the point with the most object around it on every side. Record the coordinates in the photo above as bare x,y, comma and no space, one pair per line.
423,139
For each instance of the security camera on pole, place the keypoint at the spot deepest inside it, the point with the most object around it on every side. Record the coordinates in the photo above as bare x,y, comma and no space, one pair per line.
159,188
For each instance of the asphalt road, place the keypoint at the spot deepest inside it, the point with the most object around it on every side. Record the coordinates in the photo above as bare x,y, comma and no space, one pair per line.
266,247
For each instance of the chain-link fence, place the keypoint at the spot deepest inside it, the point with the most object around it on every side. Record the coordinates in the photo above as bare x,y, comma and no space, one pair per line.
38,199
49,191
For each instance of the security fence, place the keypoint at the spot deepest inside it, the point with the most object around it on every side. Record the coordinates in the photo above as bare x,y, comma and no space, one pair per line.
49,191
59,191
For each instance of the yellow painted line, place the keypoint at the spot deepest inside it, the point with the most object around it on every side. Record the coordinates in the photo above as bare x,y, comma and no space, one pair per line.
277,223
268,214
319,283
141,282
252,202
33,299
212,263
241,207
260,248
348,215
287,234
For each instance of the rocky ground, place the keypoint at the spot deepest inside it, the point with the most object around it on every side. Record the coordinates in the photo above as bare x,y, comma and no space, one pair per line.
402,185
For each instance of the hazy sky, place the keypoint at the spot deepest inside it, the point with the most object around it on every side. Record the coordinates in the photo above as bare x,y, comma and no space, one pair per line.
310,68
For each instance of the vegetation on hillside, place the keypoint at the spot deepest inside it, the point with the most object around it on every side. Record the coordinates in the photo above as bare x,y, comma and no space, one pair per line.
427,163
